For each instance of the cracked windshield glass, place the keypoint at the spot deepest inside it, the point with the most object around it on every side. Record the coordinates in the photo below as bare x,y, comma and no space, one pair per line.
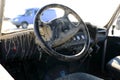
19,14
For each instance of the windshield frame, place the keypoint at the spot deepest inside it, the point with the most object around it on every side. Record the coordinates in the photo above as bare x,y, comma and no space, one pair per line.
113,18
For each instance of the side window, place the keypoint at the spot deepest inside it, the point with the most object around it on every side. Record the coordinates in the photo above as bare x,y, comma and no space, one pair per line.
115,28
35,11
29,13
118,23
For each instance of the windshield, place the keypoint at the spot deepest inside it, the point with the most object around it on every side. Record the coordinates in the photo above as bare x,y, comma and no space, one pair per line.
93,11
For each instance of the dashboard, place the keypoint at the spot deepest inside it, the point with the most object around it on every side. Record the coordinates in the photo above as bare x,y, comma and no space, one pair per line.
19,46
22,45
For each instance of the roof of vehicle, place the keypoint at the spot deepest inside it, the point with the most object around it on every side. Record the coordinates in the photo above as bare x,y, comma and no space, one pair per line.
32,8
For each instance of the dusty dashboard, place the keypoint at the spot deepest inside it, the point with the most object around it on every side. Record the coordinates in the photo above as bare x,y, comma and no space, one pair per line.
22,45
19,46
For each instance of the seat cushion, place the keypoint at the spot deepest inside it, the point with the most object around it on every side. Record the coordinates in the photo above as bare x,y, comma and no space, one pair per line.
113,67
79,76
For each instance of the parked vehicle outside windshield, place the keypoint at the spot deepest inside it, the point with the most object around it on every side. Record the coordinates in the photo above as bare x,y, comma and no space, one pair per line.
25,19
28,17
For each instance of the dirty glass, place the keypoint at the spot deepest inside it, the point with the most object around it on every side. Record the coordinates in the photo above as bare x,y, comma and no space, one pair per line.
89,10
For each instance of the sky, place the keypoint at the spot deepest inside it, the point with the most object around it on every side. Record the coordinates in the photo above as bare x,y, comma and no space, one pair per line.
98,12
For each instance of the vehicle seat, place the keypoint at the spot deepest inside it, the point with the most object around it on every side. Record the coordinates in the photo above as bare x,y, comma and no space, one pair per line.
113,67
79,76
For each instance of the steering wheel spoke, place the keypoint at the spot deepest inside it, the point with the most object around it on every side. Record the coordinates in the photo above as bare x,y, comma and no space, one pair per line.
67,12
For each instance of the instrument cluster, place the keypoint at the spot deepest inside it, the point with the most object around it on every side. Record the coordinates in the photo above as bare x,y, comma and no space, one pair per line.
75,43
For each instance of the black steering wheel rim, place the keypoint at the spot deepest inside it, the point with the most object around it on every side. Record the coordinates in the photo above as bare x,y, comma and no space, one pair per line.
48,49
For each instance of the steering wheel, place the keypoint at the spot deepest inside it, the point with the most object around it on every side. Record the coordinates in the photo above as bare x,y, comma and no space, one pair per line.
60,30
